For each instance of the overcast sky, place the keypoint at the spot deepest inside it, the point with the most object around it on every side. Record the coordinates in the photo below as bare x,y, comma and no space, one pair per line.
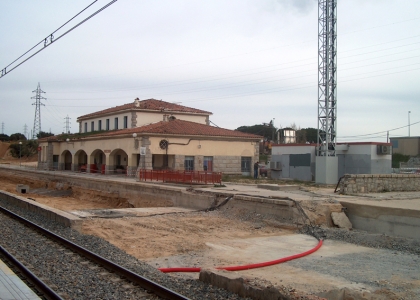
246,61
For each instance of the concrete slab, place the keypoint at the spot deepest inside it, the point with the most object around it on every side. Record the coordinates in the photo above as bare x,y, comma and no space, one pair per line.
340,219
12,287
334,267
391,217
128,212
277,187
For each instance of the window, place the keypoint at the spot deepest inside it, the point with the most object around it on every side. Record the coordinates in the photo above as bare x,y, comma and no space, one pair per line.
107,124
85,126
125,122
245,164
100,125
92,126
116,123
189,163
55,162
208,163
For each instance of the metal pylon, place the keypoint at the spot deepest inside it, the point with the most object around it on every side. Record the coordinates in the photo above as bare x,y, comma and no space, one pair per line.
37,119
327,77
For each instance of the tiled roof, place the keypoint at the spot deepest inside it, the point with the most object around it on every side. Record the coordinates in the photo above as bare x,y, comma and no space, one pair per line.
149,105
181,127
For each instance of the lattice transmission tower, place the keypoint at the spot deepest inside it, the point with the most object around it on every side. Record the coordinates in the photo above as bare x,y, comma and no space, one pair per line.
327,77
37,119
67,127
25,130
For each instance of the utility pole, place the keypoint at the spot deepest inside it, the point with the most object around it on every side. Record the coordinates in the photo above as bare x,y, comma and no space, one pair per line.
2,127
67,127
409,112
274,130
37,119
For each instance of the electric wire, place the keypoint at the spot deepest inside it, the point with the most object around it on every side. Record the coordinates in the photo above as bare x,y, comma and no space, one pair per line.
4,71
251,52
48,36
375,133
247,82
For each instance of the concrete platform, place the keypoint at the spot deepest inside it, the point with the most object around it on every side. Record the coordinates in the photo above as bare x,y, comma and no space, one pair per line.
12,287
391,217
392,213
337,268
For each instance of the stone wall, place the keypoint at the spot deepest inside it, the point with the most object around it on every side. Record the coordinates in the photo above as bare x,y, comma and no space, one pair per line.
377,183
227,164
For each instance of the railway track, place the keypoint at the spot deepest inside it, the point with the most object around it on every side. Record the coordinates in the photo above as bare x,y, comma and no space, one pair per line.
77,273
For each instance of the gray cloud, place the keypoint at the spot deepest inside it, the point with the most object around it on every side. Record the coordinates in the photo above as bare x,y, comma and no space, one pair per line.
300,6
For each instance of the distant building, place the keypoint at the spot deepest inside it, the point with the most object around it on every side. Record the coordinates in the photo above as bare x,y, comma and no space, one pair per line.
297,161
408,145
286,136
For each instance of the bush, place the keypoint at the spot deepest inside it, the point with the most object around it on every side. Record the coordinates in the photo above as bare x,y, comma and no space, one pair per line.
397,158
4,137
28,148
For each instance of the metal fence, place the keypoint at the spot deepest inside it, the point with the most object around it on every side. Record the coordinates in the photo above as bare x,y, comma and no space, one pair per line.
190,177
409,168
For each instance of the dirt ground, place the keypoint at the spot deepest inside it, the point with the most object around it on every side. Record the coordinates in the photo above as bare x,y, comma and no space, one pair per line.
171,237
165,234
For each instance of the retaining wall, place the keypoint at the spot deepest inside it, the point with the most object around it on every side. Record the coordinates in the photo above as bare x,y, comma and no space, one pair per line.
59,216
378,183
164,194
399,222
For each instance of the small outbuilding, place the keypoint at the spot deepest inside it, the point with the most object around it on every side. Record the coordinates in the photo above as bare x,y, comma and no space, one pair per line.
297,161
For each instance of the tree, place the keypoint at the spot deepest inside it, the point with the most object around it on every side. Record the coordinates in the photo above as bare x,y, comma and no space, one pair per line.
266,130
310,134
4,137
27,148
43,134
17,137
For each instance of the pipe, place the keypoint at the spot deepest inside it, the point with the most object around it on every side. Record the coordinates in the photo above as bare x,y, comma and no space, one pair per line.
247,267
339,180
273,262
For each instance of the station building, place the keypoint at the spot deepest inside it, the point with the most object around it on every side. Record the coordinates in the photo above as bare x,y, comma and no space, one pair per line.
153,135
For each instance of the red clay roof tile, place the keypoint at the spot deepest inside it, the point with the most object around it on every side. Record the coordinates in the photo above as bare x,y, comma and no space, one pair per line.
149,104
181,127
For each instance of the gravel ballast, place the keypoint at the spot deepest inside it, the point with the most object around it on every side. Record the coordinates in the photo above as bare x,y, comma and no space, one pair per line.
192,289
396,255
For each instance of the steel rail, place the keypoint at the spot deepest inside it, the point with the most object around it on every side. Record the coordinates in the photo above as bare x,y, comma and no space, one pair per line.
40,286
143,282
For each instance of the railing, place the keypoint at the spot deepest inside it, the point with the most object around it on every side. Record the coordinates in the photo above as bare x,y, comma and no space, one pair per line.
409,168
190,177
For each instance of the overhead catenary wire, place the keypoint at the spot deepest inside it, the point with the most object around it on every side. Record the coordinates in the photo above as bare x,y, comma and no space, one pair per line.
51,38
247,82
261,50
375,133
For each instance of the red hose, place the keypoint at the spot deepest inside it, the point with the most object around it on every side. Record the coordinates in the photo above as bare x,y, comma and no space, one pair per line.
273,262
247,267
